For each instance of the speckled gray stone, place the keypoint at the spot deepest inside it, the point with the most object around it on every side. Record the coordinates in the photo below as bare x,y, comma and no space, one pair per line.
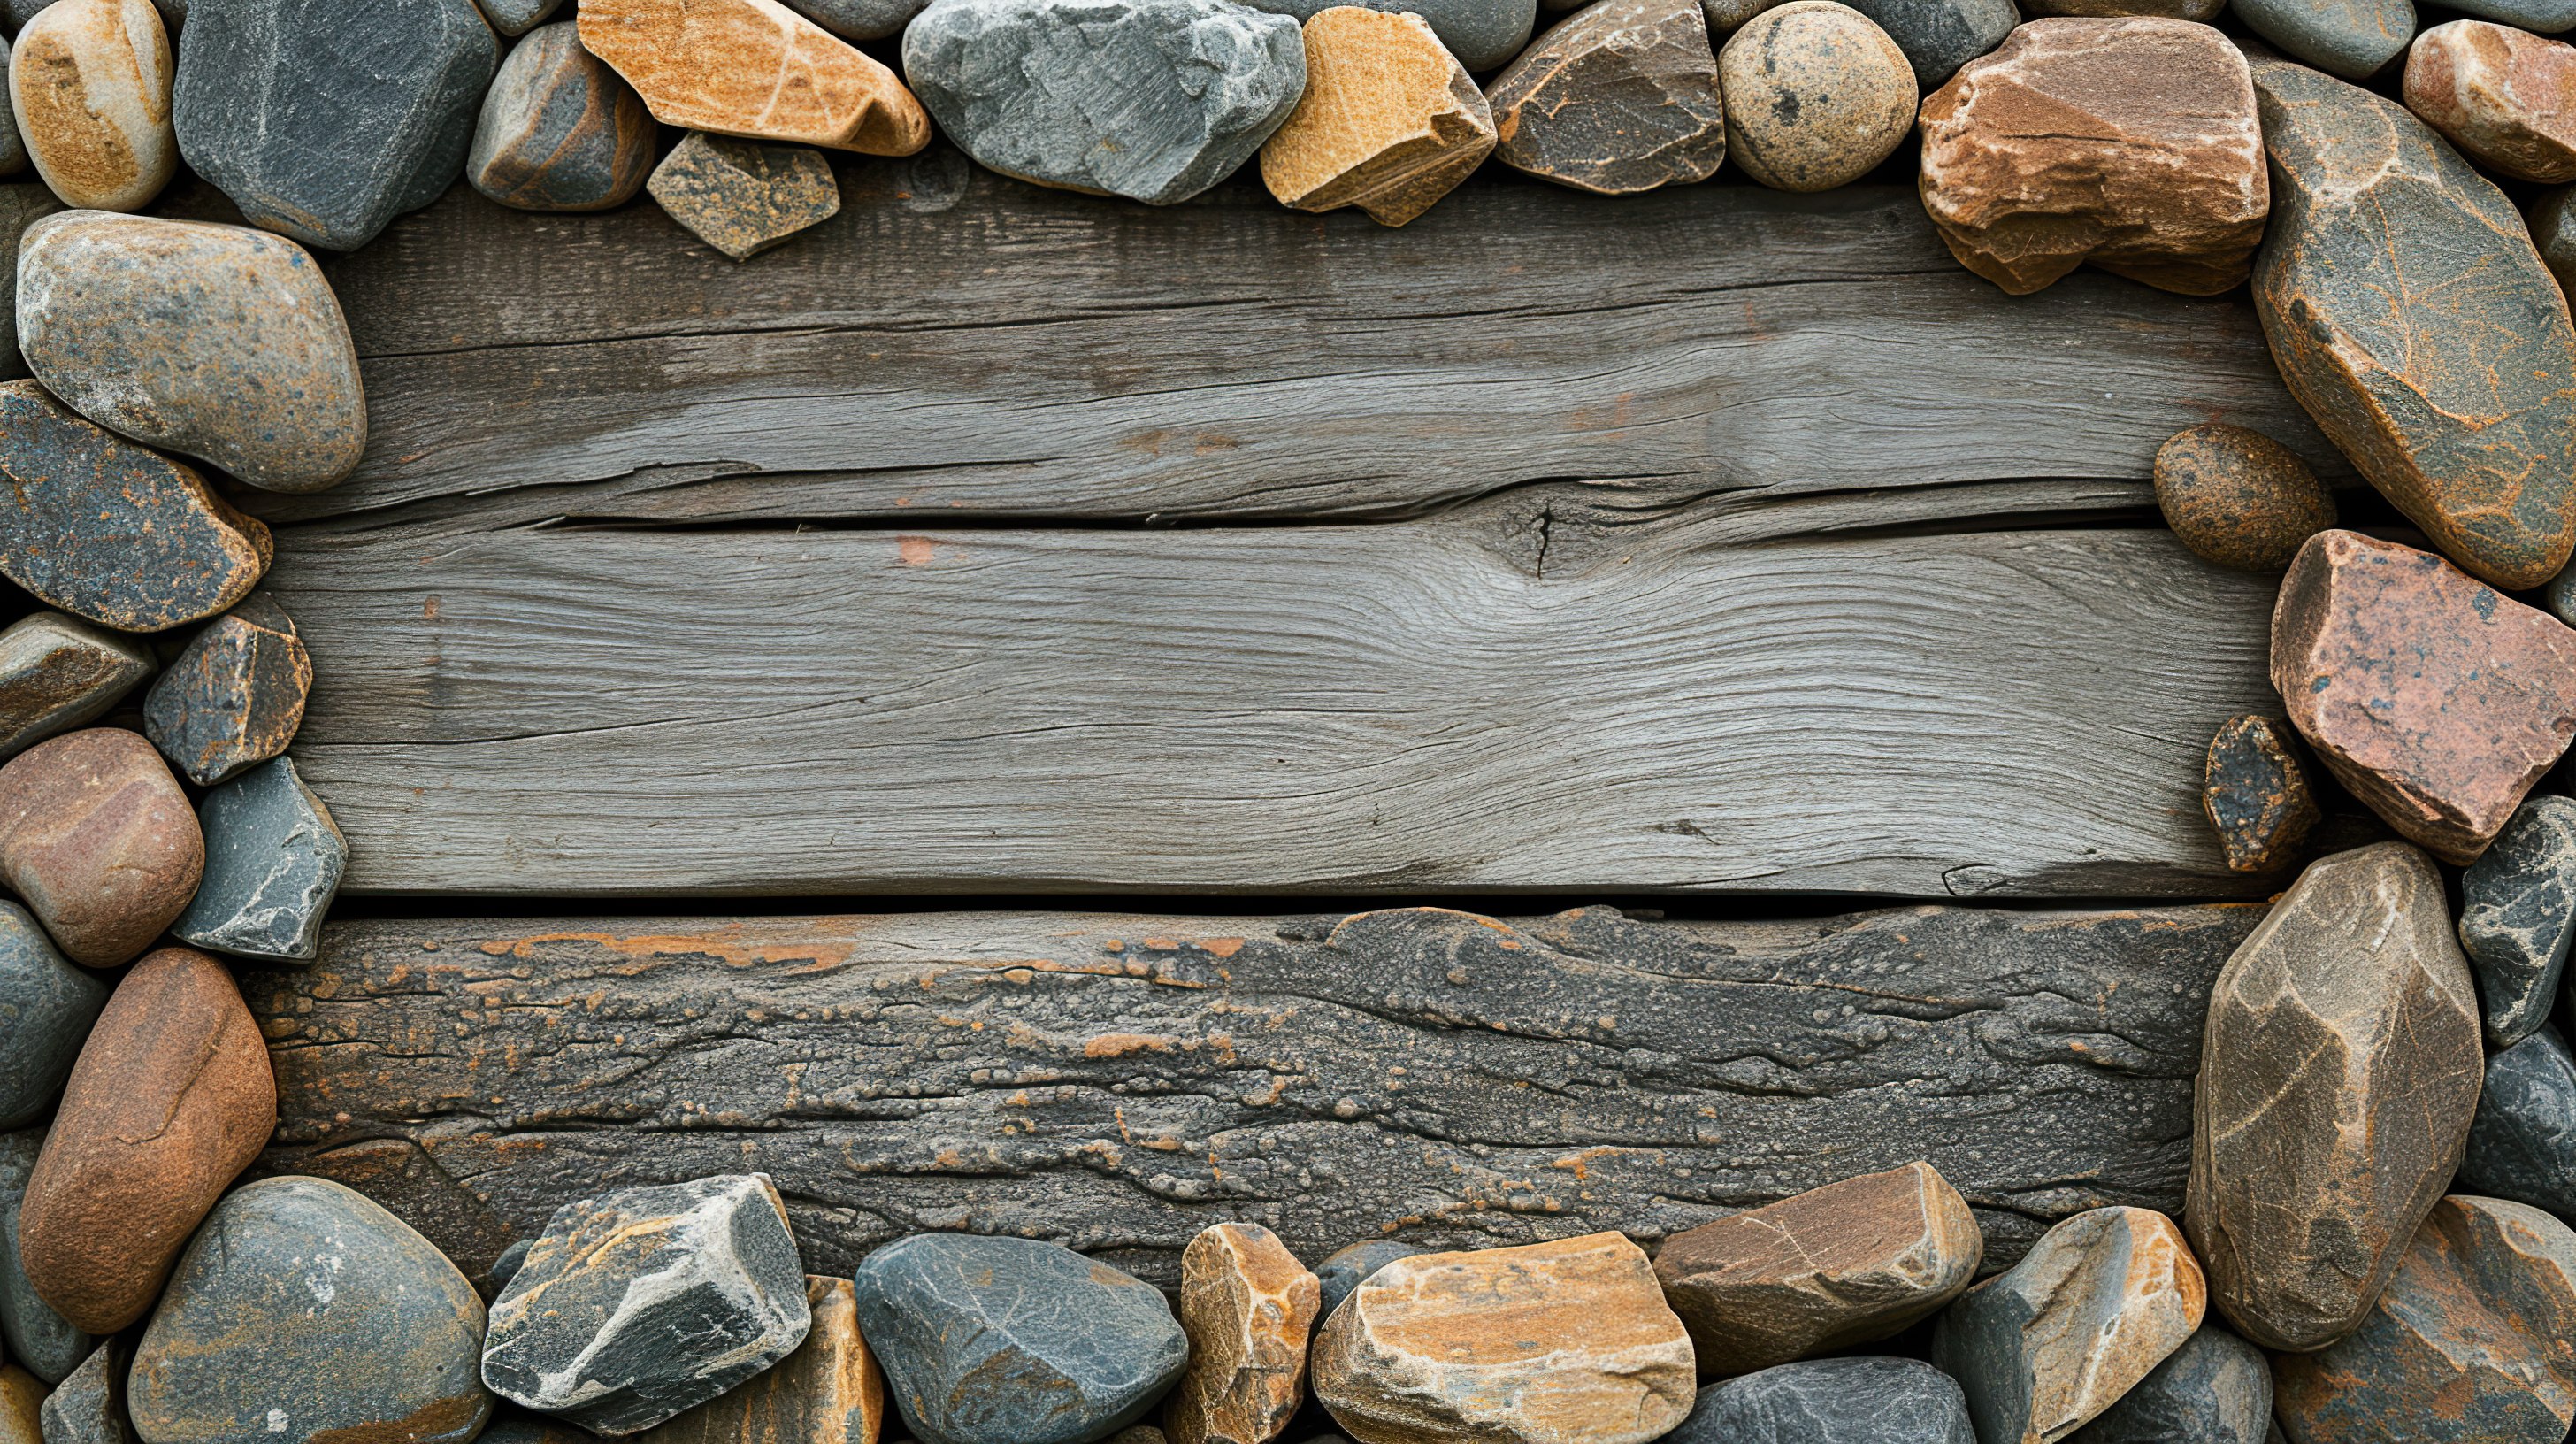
19,12
88,1407
273,863
2216,1389
1939,36
1348,1268
1483,34
2522,1144
859,19
2547,17
1154,100
46,1007
518,17
21,205
744,196
37,1337
57,672
1865,1400
2350,38
2517,911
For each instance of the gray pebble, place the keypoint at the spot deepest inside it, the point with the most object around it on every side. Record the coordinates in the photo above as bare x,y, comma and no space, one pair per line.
273,863
1482,34
46,1008
88,1406
2350,38
859,19
1939,36
1348,1268
2517,911
2215,1389
518,17
42,1340
57,672
2522,1144
1832,1401
2548,17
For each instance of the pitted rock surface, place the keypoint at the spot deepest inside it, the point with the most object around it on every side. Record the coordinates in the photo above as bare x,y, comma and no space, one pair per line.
58,672
742,196
2504,96
559,130
1482,34
2517,912
99,842
1832,1401
1621,98
2238,498
1939,36
1248,1307
830,1391
89,87
1816,96
2522,1142
2255,790
235,697
1389,121
2215,1389
274,859
46,1009
754,69
46,1342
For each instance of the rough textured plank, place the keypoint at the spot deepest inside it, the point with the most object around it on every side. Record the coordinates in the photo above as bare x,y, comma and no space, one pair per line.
1121,1082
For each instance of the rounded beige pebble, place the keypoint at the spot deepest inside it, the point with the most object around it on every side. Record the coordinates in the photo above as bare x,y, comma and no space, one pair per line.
89,84
1816,96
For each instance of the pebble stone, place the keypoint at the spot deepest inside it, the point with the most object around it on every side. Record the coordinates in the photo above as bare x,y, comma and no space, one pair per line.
2475,1339
110,532
88,1406
859,19
1089,1348
2255,791
1849,1263
2432,698
13,149
1939,36
1621,98
296,1281
2505,97
2102,1299
756,70
171,1099
1389,121
2348,38
2215,1389
518,17
1816,96
1248,1307
2194,10
58,672
2337,1081
235,697
560,131
22,1403
2439,393
220,342
16,13
2548,17
830,1391
274,859
1345,1269
1482,34
1567,1342
2517,912
2522,1141
2238,498
44,1341
46,1009
98,840
742,196
89,87
1723,15
1832,1401
21,205
641,1303
324,120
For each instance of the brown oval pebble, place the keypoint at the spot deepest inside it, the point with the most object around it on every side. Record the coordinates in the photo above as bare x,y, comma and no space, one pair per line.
89,85
2507,97
171,1099
1816,96
2238,497
99,841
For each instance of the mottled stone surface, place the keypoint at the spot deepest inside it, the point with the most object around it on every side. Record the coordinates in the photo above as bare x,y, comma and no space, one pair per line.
2239,498
1816,96
638,1304
221,342
2200,10
324,120
2215,1389
2349,38
2517,911
1621,98
235,697
22,1402
518,17
89,87
1482,34
1346,1268
1849,1263
99,842
48,1344
110,532
46,1008
2545,16
2255,790
2475,1339
859,19
1248,1307
274,859
1832,1401
305,1314
2337,1080
2522,1142
57,672
560,131
830,1391
1939,36
88,1407
2412,318
2504,96
2094,1307
1550,1343
2431,697
2129,143
1086,1348
21,205
742,196
755,69
1389,121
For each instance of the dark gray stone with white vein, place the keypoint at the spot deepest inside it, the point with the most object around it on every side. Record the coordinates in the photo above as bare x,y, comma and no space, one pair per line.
1864,1400
274,859
2522,1142
2517,912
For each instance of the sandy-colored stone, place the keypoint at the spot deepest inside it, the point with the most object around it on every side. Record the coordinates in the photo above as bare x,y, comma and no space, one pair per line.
2238,498
2507,97
754,69
89,83
1849,1263
830,1391
22,1399
744,196
1550,1343
1389,122
99,841
1247,1305
1816,95
2255,791
559,130
1620,98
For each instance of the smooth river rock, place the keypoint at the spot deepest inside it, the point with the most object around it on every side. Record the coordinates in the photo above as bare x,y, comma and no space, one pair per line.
22,1405
830,1391
1248,1307
1389,121
89,87
2548,17
1816,96
1864,1400
2255,791
49,1345
99,842
757,70
235,697
559,130
1482,34
1939,36
2238,498
2354,39
2517,912
274,859
88,1406
1620,98
58,672
21,205
46,1009
517,17
1346,1268
2215,1389
745,196
859,19
2504,96
2522,1142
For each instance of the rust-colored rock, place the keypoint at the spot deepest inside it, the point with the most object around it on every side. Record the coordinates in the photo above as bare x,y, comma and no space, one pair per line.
755,69
98,840
830,1391
1389,121
1548,1343
235,697
1620,98
1247,1305
1845,1264
2239,498
2256,793
172,1098
2130,143
2434,699
2507,97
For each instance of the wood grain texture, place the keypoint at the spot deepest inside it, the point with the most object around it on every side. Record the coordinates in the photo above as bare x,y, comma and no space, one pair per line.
1119,1083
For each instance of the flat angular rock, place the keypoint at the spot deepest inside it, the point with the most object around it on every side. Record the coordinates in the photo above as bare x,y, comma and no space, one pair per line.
2411,317
1939,36
1816,96
638,1304
2475,1339
1549,1343
22,1402
46,1342
560,131
294,1283
2337,1082
2432,698
743,197
1087,1348
2517,911
1849,1263
58,672
99,842
518,17
89,86
88,1407
274,859
2094,1307
1619,99
2255,791
2215,1389
1389,121
2349,38
2504,96
1832,1401
1345,1269
754,69
21,205
110,532
1482,34
2129,143
2522,1142
235,697
46,1009
1248,1307
830,1391
859,19
172,1098
2238,498
324,120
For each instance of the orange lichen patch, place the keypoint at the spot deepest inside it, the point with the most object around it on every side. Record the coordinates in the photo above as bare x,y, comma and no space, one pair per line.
729,945
1119,1045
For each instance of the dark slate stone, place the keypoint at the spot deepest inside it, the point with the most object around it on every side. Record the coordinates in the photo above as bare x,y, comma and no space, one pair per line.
2517,911
2216,1389
46,1007
518,17
21,206
324,120
1087,1349
88,1406
531,1431
273,863
1155,100
36,1336
1483,34
235,697
2522,1145
2350,38
1348,1268
559,130
1832,1401
1939,36
637,1305
859,19
58,672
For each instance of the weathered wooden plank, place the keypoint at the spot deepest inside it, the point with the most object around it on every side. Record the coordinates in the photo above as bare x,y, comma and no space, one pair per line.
1121,1082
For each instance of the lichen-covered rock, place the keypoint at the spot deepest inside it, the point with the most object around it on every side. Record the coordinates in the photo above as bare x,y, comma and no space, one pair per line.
2215,1389
830,1391
2349,38
1832,1401
46,1009
2522,1142
638,1304
2255,791
274,859
2238,498
1816,96
2517,912
859,19
559,130
99,841
57,672
1247,1306
1389,121
1939,36
50,1345
1620,98
742,196
757,70
1482,34
89,86
1346,1268
88,1407
235,697
2504,96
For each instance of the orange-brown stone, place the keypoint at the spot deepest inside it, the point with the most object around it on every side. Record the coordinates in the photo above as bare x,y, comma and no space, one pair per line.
1247,1305
1389,121
2507,97
2238,498
755,69
830,1391
99,841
